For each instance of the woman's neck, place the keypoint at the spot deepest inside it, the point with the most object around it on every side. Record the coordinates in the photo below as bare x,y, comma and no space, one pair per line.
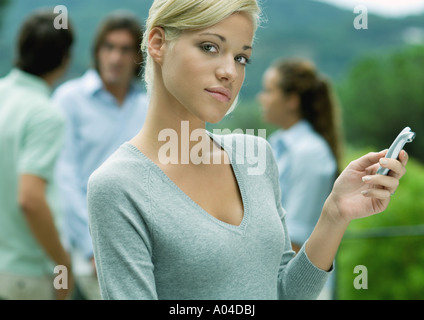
169,123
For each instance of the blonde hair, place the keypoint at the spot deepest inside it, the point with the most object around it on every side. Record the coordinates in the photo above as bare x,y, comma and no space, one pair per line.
177,16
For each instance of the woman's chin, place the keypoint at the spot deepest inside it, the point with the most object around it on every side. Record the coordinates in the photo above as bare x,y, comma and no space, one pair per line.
214,121
213,118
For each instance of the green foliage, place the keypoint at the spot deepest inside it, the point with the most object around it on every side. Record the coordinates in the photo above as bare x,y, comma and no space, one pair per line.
3,7
304,29
381,96
395,264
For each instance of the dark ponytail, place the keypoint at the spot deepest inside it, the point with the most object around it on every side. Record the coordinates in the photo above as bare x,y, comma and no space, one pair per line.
317,102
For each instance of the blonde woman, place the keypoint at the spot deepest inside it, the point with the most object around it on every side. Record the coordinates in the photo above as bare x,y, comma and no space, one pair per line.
167,228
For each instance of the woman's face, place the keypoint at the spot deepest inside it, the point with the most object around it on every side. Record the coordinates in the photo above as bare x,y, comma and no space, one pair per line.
205,69
276,106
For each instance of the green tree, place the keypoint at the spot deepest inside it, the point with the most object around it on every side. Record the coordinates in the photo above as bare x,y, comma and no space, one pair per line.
382,95
3,5
389,245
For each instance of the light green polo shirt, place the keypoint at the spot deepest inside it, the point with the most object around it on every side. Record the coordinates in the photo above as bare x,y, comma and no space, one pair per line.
31,136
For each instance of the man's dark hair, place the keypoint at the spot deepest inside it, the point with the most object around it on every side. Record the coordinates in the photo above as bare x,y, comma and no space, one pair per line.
41,47
120,20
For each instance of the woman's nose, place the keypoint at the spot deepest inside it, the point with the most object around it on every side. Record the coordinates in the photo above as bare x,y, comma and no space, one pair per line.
228,71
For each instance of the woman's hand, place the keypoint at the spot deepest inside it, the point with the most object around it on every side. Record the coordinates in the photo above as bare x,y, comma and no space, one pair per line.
359,192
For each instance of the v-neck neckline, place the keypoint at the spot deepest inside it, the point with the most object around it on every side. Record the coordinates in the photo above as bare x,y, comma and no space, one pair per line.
193,203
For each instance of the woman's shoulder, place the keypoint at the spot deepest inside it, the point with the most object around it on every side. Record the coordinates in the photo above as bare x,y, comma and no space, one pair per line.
123,169
120,186
313,146
239,141
251,153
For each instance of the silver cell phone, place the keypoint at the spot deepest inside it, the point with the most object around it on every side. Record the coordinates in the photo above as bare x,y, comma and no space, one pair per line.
404,137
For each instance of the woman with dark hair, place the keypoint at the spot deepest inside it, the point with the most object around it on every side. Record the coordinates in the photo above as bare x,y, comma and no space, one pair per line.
300,101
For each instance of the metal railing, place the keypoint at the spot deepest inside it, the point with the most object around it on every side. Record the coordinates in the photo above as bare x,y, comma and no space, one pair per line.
379,233
386,232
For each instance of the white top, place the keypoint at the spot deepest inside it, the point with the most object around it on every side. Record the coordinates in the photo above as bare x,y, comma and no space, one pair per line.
307,171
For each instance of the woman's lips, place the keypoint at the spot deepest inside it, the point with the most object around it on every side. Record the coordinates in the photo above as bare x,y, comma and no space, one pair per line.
220,94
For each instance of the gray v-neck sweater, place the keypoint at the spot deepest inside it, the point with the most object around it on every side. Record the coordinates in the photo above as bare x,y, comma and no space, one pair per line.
151,241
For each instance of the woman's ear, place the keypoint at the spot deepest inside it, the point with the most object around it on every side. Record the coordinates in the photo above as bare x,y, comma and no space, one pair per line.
157,44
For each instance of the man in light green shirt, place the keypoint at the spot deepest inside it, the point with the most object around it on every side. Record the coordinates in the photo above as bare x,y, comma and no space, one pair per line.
31,137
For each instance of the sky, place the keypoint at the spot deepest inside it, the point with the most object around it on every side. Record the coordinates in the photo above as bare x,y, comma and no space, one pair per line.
388,8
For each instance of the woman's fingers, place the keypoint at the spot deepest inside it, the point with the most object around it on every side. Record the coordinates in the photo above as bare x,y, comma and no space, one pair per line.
383,183
403,157
381,194
397,167
382,186
368,160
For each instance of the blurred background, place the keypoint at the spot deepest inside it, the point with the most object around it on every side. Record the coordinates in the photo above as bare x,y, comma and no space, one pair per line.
378,74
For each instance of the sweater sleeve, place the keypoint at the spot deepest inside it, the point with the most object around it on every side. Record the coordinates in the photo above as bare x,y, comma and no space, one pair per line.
122,239
298,277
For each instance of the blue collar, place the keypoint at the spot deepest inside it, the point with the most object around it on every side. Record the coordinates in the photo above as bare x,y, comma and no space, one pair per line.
290,137
92,83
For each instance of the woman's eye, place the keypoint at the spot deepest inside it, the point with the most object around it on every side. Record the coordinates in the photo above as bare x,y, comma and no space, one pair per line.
210,48
242,60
